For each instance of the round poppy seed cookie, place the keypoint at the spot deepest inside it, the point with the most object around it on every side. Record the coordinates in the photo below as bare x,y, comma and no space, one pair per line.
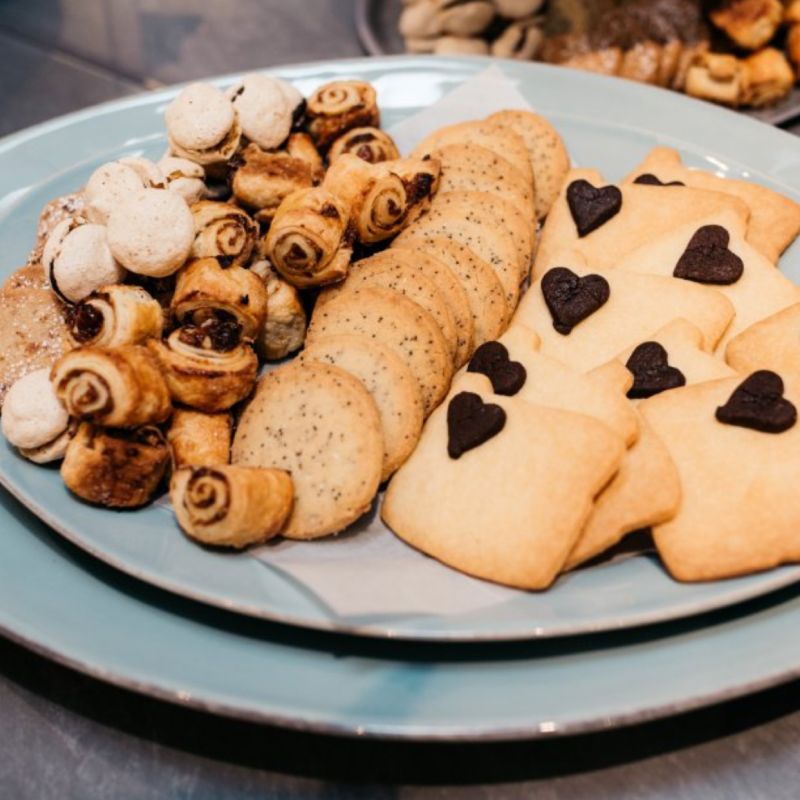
320,424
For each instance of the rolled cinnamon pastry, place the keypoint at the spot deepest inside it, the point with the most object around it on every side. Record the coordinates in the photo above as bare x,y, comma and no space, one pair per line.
420,177
115,315
231,506
301,145
369,144
197,439
207,367
260,180
338,107
120,387
285,330
205,290
309,241
224,232
115,468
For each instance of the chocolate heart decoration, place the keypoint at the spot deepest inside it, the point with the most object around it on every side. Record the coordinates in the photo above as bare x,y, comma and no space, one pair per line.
758,403
648,179
651,371
707,258
570,298
491,359
592,207
471,422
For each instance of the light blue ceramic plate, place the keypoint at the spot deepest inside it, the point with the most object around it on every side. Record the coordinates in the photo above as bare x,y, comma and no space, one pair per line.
608,124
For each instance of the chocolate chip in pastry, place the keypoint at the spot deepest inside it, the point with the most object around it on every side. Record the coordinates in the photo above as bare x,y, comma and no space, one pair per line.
309,241
285,330
207,367
185,178
224,232
369,144
77,259
337,107
115,315
205,290
198,439
115,468
264,108
231,506
120,387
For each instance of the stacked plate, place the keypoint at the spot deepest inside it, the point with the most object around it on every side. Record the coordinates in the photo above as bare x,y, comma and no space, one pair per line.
126,598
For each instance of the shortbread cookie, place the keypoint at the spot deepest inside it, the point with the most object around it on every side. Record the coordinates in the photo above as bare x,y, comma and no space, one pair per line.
488,306
320,424
546,150
773,343
714,253
408,280
774,219
391,319
470,167
585,317
391,384
605,222
480,493
494,246
736,444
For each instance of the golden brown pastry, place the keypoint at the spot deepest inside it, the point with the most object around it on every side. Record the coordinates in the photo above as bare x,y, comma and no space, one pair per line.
768,78
205,290
231,506
198,439
285,330
120,387
642,62
369,144
607,61
669,62
339,106
791,14
689,55
749,23
115,468
261,180
224,232
207,367
793,46
309,242
301,145
718,77
115,315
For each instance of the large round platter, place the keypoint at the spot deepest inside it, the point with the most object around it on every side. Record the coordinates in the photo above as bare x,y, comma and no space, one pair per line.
607,123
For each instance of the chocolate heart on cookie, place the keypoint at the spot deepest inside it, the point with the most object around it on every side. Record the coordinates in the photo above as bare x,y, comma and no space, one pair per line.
491,359
651,371
648,179
758,403
707,258
471,422
592,207
570,298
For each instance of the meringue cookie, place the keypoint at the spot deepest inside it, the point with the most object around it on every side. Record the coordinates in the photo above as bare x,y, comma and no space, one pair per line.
152,234
110,185
77,259
202,125
147,170
184,177
264,108
33,417
295,99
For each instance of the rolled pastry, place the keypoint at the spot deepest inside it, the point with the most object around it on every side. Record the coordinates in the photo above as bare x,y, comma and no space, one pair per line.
224,232
301,145
309,242
115,468
369,144
339,106
115,315
119,387
207,366
260,180
202,125
77,259
205,290
197,439
285,330
231,506
33,420
184,177
420,178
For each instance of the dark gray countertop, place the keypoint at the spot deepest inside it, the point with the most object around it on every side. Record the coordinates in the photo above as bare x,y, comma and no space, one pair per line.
68,736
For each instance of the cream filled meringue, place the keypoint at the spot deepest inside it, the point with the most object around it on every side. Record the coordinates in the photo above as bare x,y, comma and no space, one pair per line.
77,259
264,108
33,417
184,177
152,234
108,186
